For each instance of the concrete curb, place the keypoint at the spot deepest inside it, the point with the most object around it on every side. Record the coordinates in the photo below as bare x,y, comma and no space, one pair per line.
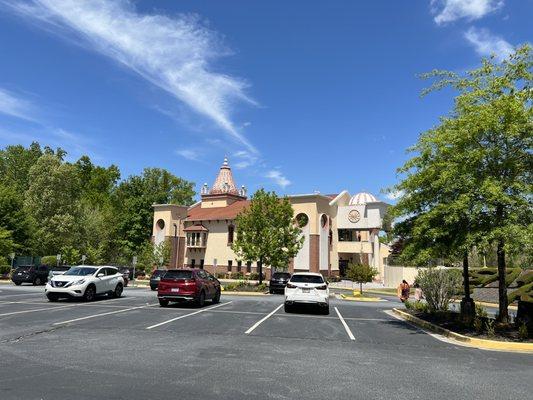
483,344
362,299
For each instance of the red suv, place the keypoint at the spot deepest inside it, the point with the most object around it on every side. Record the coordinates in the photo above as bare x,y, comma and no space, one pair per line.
188,285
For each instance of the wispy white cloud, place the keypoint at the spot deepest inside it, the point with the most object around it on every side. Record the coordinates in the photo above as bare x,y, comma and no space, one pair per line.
394,195
16,106
174,53
487,44
278,178
451,10
189,154
245,159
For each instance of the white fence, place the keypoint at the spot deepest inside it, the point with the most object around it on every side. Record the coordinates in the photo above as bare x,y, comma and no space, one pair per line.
395,274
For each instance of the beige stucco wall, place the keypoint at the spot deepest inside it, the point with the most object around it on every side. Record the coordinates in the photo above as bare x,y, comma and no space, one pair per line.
217,245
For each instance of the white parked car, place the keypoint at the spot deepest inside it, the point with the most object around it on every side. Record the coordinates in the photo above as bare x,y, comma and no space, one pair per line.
307,288
85,281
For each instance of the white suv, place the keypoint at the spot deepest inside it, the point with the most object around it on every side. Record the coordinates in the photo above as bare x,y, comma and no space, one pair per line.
85,281
307,287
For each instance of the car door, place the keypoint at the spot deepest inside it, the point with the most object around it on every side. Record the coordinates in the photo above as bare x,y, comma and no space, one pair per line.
113,278
205,283
100,281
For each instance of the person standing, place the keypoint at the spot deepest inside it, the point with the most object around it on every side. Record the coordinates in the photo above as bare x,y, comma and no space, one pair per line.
403,291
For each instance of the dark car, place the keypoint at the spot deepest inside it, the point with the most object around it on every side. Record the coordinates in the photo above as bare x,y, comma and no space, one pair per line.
36,275
126,274
194,285
156,276
278,281
58,270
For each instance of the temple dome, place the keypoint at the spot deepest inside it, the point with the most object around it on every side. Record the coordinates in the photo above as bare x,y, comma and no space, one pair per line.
224,183
362,198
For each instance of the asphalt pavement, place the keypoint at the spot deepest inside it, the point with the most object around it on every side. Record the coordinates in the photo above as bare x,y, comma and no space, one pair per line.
243,347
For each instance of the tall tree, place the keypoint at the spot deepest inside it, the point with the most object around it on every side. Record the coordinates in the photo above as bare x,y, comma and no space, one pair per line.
13,217
51,202
266,232
134,199
470,181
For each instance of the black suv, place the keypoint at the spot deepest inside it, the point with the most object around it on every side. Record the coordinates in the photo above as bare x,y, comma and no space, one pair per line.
30,274
278,281
156,277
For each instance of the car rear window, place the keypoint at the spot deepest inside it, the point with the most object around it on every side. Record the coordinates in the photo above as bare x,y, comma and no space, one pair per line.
178,275
283,275
158,272
307,279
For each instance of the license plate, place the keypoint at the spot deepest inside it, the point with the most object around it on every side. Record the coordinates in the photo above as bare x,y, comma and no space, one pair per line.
305,290
175,290
20,273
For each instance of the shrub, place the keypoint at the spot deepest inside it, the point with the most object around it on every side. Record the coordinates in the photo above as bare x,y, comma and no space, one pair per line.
220,275
5,270
237,275
522,331
481,312
489,325
438,286
262,287
254,276
478,324
49,260
526,278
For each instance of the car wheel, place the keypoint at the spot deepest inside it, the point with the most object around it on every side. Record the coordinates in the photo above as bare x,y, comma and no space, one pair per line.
163,302
118,291
18,283
287,308
216,299
271,291
89,294
325,310
52,297
37,281
153,288
201,299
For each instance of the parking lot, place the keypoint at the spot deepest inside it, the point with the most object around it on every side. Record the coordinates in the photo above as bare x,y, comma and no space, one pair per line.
244,346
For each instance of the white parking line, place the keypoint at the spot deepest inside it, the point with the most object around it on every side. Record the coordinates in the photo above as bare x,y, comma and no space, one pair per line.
37,309
98,315
251,329
188,315
348,331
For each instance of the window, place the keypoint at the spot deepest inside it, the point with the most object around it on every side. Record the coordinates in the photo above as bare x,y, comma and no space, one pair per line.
193,262
302,220
231,230
239,265
230,264
307,279
110,271
202,263
178,274
248,266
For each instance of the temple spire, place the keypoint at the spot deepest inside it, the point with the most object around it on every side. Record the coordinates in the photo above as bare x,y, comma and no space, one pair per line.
224,184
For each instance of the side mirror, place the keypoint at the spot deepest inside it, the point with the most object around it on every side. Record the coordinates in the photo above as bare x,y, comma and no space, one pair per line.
100,275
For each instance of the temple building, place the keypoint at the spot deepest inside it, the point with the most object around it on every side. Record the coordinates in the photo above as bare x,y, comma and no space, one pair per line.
337,229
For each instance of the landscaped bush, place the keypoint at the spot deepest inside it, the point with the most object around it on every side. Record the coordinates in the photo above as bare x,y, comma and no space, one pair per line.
526,278
49,260
5,270
220,275
438,286
333,278
254,276
484,276
236,275
523,291
417,306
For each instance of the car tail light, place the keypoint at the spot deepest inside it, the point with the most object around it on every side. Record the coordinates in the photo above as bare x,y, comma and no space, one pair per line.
291,286
322,287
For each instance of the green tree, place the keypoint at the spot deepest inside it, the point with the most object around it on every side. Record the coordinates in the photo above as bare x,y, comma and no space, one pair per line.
15,164
7,245
13,217
361,273
469,183
266,231
134,199
51,203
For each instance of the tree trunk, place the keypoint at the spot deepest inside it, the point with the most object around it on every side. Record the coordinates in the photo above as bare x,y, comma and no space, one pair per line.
467,304
260,269
361,288
502,288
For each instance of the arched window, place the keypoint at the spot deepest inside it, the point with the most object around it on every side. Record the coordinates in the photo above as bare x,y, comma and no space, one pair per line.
302,220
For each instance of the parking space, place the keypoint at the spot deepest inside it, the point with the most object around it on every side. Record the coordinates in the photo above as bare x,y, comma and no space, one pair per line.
25,309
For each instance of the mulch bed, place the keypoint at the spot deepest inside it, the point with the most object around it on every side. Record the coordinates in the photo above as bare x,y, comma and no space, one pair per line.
450,320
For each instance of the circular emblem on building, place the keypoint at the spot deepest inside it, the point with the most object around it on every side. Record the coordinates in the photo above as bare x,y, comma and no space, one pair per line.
354,216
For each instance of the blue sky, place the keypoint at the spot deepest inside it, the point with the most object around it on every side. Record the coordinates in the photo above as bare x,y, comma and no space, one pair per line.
302,96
